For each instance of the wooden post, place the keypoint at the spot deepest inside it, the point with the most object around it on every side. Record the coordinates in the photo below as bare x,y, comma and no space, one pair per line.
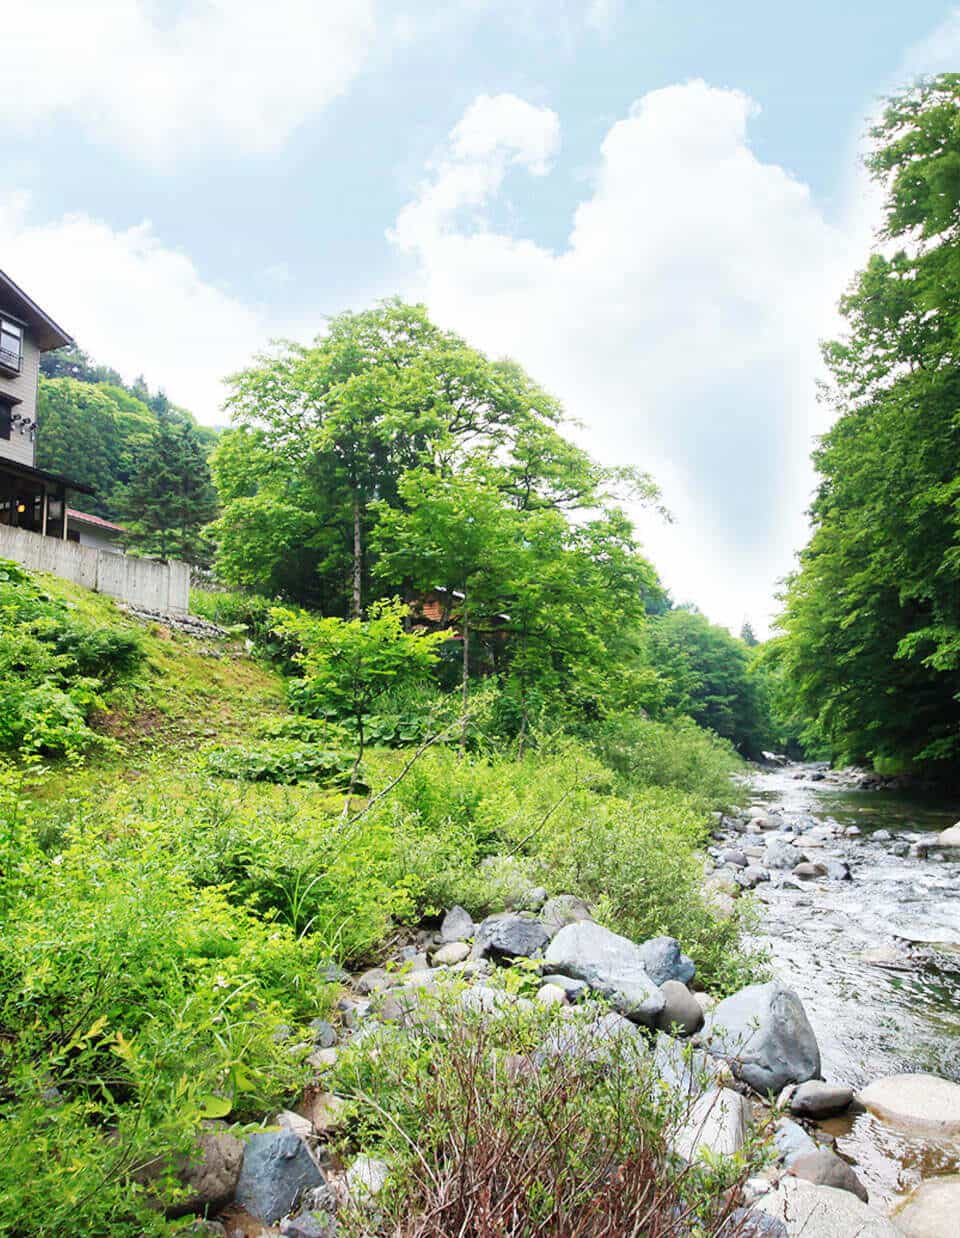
43,512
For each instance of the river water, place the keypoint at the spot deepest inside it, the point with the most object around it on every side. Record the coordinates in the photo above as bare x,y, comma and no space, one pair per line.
871,1020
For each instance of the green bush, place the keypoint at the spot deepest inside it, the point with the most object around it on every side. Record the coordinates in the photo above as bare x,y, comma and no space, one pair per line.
283,761
54,668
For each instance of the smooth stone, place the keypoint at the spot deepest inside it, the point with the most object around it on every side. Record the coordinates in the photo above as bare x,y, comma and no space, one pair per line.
681,1010
374,981
792,1141
576,990
324,1111
932,1210
612,965
664,960
814,1099
277,1166
683,1068
551,995
599,1041
295,1122
852,831
808,870
918,1102
734,857
322,1059
881,836
716,1125
309,1225
825,1168
949,837
457,925
510,936
324,1033
823,1212
706,1001
561,910
764,1033
367,1177
782,855
209,1172
453,952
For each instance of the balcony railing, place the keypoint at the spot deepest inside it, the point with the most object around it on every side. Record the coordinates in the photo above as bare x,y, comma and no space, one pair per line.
10,360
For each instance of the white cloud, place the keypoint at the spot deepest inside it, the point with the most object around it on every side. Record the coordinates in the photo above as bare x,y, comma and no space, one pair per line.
132,303
680,322
237,75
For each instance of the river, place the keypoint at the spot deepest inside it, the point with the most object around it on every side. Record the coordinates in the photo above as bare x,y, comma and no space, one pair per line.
871,1020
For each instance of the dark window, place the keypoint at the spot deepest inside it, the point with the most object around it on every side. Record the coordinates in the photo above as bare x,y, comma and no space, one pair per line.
6,419
11,344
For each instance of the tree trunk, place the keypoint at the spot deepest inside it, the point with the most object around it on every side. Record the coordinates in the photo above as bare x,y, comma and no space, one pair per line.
465,685
356,607
356,767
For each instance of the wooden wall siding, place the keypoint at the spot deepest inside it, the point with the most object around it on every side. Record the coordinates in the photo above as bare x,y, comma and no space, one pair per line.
21,446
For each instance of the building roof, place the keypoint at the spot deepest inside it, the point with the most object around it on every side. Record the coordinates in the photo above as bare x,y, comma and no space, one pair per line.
45,331
97,522
32,474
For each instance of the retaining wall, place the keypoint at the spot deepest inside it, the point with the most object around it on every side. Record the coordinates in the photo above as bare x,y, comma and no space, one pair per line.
164,587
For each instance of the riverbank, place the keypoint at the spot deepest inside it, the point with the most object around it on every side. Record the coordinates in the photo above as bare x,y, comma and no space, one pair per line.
861,914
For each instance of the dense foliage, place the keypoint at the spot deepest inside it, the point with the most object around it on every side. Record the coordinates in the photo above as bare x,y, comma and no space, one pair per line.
713,678
869,660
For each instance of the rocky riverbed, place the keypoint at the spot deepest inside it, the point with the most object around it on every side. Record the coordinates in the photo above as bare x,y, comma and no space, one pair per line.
860,909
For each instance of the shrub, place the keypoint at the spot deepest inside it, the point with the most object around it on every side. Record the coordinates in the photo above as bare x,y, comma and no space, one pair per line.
485,1138
283,761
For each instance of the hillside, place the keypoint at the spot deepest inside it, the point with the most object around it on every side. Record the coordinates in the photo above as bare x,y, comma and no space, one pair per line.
181,889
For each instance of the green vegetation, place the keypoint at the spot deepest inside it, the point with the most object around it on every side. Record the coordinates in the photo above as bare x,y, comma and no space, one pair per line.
868,666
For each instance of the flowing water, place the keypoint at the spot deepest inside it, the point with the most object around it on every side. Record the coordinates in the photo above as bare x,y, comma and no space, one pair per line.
870,1020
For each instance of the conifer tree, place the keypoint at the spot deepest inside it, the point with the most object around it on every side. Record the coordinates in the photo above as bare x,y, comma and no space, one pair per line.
170,497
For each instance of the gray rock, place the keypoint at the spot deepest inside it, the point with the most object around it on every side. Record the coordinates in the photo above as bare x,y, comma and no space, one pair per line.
924,1103
332,973
612,965
452,952
374,981
663,960
324,1034
823,1212
887,956
683,1068
949,837
751,1223
881,836
820,1100
681,1009
576,990
277,1166
510,936
531,899
808,871
838,870
551,995
734,857
751,876
561,910
457,925
764,1033
782,855
825,1168
366,1178
598,1041
209,1173
716,1125
792,1141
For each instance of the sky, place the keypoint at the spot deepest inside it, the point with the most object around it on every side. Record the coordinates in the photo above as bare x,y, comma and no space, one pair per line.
652,205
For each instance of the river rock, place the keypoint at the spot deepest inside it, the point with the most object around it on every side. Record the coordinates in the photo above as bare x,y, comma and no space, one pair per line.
309,1225
598,1041
551,995
210,1173
932,1210
764,1033
366,1178
612,966
838,870
823,1212
734,857
782,855
807,871
453,952
716,1125
881,836
887,956
561,910
924,1103
576,990
374,981
324,1033
814,1099
949,837
457,925
664,961
791,1141
825,1168
682,1010
277,1166
510,936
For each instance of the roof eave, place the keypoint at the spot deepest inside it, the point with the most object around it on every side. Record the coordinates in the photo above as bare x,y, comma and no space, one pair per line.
46,332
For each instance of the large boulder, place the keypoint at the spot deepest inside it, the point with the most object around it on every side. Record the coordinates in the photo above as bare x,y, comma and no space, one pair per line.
764,1033
561,910
932,1209
205,1179
923,1103
664,961
823,1212
457,925
825,1168
612,966
682,1010
820,1100
277,1167
510,936
716,1125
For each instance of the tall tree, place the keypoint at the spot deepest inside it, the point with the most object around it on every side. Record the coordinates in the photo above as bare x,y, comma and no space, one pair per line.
170,497
870,651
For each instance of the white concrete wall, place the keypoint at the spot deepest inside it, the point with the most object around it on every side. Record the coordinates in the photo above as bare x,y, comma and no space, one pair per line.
141,582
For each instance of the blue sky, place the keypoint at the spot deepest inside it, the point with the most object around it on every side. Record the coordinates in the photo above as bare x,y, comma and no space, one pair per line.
652,205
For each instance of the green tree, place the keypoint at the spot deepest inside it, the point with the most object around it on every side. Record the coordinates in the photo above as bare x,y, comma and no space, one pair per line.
348,664
170,497
869,654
